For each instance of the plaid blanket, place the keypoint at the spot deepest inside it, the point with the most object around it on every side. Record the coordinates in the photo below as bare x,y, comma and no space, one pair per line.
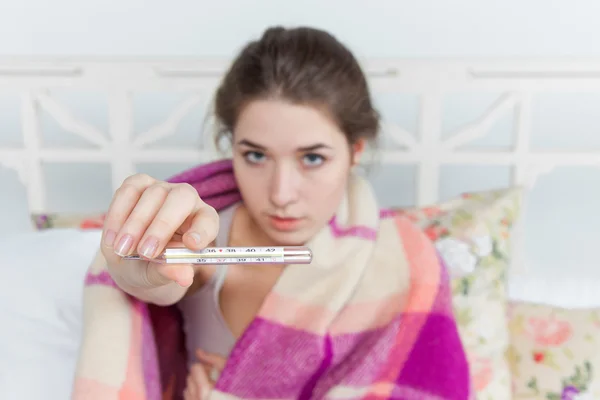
370,318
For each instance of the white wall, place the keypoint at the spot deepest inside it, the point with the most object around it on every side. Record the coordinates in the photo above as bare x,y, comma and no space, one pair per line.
373,28
393,28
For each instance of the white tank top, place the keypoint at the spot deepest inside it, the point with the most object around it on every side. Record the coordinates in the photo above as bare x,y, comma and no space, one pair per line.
203,322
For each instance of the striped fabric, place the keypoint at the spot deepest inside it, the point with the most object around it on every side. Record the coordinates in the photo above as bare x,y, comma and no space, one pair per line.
370,318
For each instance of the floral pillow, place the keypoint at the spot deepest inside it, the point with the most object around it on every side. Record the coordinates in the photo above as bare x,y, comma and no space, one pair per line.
472,234
555,352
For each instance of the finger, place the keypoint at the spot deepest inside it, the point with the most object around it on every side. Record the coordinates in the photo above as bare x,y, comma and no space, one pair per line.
142,215
200,379
212,359
191,387
124,200
181,202
175,241
158,274
203,229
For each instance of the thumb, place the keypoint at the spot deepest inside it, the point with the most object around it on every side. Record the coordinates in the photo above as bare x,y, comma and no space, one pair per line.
159,274
203,228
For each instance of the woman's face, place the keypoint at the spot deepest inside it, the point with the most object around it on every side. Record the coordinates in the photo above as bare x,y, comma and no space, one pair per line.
291,164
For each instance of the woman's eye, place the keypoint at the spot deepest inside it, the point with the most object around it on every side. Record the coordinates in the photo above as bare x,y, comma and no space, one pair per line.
313,160
254,157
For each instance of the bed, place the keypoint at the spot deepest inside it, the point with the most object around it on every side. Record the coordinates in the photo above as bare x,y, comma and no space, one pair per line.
73,129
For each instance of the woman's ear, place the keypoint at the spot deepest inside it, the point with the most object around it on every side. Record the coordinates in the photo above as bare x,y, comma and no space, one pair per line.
358,149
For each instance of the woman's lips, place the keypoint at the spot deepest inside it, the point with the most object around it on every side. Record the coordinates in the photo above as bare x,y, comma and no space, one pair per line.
284,224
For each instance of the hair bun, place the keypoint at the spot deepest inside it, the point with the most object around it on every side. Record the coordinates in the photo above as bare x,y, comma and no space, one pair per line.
273,34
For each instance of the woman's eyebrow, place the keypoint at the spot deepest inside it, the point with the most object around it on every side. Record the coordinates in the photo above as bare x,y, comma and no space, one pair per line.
248,143
314,147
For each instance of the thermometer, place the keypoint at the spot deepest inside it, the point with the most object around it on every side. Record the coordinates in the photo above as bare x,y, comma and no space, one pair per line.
233,255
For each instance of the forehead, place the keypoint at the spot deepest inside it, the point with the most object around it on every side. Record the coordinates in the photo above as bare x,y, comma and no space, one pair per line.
275,123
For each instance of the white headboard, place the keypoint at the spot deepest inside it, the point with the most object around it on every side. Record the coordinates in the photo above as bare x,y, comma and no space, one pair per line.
513,84
518,81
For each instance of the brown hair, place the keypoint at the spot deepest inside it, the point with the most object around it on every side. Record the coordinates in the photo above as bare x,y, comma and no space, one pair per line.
303,66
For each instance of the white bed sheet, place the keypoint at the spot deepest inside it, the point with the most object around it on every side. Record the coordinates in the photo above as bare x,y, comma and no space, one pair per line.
40,308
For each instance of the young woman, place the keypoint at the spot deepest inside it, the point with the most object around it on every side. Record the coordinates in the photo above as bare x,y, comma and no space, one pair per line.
296,109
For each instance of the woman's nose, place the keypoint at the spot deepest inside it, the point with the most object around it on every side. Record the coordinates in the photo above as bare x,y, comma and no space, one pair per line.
284,186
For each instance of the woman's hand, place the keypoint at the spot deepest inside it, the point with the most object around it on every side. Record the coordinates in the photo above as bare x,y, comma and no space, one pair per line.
203,376
144,216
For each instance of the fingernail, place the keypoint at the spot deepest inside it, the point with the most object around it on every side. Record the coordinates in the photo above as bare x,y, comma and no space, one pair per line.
109,238
149,247
124,245
195,237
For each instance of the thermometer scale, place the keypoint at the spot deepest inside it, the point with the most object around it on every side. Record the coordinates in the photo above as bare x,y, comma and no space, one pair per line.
233,255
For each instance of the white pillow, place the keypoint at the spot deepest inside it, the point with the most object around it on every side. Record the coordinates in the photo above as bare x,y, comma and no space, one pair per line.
41,286
578,292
